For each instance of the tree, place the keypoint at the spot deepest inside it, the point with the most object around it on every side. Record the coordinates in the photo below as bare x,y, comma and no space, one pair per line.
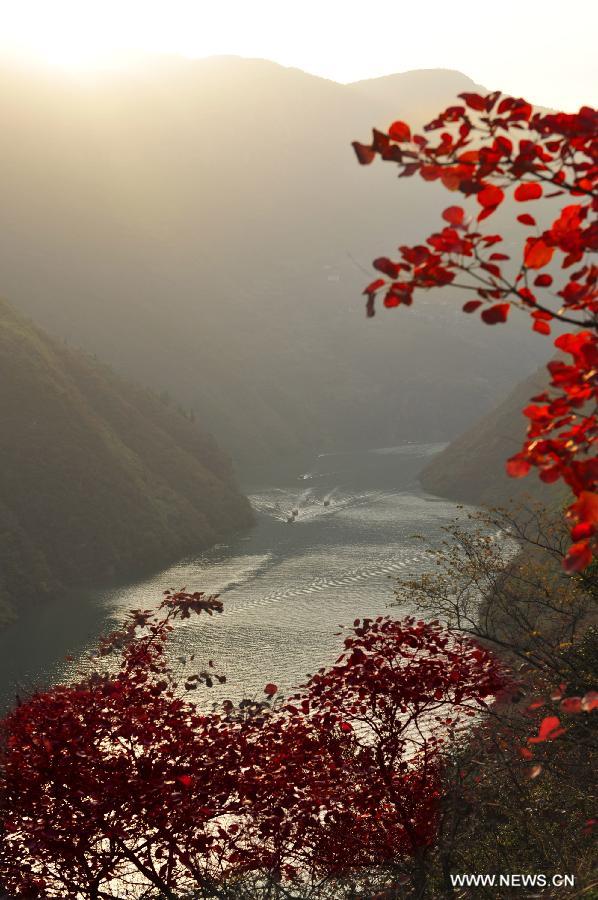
525,775
499,578
120,786
488,145
524,608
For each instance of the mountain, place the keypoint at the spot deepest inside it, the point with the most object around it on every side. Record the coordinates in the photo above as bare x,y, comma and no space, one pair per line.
97,475
471,469
203,226
416,96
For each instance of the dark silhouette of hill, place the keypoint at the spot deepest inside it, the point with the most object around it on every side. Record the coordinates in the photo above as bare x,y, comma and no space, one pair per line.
97,475
200,225
471,468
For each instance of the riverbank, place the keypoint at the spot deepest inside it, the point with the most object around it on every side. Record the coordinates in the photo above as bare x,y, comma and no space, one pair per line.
285,587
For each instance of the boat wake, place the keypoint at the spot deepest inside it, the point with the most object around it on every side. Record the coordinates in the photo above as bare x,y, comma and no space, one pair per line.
408,565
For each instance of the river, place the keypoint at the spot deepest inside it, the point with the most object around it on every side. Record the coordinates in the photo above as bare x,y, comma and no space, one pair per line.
286,587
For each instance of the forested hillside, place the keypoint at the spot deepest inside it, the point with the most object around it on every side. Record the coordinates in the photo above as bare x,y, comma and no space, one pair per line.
472,467
97,476
204,227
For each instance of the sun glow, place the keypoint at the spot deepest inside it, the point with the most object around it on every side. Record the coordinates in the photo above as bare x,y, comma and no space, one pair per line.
50,33
85,34
534,49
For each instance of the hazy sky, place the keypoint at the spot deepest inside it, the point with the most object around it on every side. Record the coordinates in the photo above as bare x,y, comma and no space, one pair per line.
545,51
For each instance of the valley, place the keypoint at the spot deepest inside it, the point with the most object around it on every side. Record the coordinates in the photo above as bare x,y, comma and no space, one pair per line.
285,587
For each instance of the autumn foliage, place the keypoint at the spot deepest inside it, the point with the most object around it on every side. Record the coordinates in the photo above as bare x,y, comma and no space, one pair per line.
488,147
120,779
121,785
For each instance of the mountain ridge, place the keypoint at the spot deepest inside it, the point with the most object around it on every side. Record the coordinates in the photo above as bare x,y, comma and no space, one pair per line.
97,475
207,215
471,469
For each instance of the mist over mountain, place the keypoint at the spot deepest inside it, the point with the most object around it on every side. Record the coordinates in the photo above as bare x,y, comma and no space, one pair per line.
418,95
471,468
99,478
201,225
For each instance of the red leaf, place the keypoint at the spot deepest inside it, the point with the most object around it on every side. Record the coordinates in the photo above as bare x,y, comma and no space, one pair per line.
550,727
450,179
270,689
578,557
346,727
454,215
185,780
582,531
364,154
517,467
537,254
526,219
505,105
471,305
387,267
492,268
380,142
470,156
528,191
541,327
490,196
543,280
474,101
571,704
399,131
430,173
504,144
586,507
520,110
529,299
573,343
496,314
374,286
549,476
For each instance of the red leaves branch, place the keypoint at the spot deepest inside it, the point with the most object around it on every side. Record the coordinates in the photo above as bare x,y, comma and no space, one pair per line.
544,150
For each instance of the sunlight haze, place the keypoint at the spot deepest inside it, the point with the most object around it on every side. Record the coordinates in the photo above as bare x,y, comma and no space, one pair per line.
526,49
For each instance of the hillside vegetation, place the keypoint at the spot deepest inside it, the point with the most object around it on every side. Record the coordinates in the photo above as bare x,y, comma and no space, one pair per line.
471,468
97,476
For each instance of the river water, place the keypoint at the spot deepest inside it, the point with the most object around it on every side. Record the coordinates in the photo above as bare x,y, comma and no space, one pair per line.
286,587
